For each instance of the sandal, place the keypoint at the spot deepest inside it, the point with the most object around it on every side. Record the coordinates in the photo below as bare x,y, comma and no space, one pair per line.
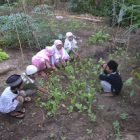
17,114
27,99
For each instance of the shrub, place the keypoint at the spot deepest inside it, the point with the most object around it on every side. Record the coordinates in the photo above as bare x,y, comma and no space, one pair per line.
3,55
24,24
100,8
5,1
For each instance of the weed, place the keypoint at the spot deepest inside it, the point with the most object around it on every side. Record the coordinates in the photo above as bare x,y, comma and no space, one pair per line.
92,117
116,126
26,138
128,82
100,107
124,116
89,131
99,36
63,138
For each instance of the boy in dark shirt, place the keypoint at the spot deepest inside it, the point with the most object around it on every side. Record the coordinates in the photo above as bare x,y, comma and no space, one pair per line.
111,81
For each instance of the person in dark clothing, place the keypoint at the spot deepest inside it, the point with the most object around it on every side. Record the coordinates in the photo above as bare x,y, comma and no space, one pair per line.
111,81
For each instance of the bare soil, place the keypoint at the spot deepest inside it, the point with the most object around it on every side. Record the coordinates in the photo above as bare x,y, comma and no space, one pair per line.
36,126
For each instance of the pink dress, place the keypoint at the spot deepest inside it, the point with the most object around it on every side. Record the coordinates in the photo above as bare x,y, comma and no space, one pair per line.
39,60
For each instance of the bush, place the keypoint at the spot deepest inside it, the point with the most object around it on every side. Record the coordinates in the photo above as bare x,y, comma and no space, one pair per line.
9,25
3,55
90,6
5,1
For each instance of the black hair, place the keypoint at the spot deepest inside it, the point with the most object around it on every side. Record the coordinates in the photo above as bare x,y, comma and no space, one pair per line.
113,65
18,86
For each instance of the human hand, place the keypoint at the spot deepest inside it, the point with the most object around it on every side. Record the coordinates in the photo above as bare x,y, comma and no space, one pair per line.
104,66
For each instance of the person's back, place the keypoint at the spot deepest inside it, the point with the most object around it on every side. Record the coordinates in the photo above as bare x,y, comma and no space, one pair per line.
7,104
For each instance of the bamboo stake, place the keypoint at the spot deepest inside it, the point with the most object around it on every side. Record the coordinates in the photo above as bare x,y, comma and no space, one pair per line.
17,33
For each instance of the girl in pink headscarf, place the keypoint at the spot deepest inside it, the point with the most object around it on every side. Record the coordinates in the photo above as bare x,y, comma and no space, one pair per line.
44,59
61,55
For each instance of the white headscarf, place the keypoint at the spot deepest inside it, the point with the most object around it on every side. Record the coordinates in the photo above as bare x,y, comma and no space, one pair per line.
60,53
70,44
68,34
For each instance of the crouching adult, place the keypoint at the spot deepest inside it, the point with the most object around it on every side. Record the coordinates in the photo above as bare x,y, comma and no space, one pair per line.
111,80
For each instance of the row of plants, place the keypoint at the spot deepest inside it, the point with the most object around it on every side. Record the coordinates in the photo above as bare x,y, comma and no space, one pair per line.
73,89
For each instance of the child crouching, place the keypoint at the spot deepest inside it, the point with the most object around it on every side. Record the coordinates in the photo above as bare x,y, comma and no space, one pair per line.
71,45
12,98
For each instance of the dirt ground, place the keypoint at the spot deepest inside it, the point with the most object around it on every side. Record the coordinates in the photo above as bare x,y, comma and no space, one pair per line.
64,126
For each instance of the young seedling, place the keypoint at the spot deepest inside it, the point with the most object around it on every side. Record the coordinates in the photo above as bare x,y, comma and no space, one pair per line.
116,126
124,116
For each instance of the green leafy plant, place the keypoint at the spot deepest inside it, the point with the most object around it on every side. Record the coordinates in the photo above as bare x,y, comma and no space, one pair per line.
99,36
73,89
124,116
92,117
89,131
116,126
128,82
3,55
100,107
26,138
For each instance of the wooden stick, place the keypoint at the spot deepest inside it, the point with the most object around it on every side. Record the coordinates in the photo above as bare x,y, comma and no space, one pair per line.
85,18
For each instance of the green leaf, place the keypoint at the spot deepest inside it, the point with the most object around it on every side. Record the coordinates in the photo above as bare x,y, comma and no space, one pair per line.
128,82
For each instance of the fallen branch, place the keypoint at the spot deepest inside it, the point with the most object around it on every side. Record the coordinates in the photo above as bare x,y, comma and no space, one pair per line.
79,17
